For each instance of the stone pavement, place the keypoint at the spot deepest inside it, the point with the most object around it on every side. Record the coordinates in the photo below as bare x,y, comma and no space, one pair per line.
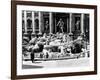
80,62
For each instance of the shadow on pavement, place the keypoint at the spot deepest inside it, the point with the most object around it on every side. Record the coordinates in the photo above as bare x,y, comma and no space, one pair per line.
30,66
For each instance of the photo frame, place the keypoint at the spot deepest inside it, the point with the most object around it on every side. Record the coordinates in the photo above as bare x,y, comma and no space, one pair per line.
78,23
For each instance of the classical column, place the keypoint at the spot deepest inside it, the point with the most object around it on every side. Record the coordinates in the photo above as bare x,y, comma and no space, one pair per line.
33,25
82,23
51,22
70,23
67,25
40,22
55,23
70,27
25,20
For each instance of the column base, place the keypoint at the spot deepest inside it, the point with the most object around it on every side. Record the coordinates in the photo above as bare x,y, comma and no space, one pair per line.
33,33
70,34
40,34
83,35
50,33
25,33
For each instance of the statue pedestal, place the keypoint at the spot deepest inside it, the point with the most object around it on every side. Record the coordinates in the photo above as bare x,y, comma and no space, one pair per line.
33,35
71,36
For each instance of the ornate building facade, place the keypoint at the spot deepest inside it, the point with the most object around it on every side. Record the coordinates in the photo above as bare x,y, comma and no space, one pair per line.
38,23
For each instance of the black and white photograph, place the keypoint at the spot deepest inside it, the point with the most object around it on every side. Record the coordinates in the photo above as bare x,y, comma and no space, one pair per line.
51,40
55,39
